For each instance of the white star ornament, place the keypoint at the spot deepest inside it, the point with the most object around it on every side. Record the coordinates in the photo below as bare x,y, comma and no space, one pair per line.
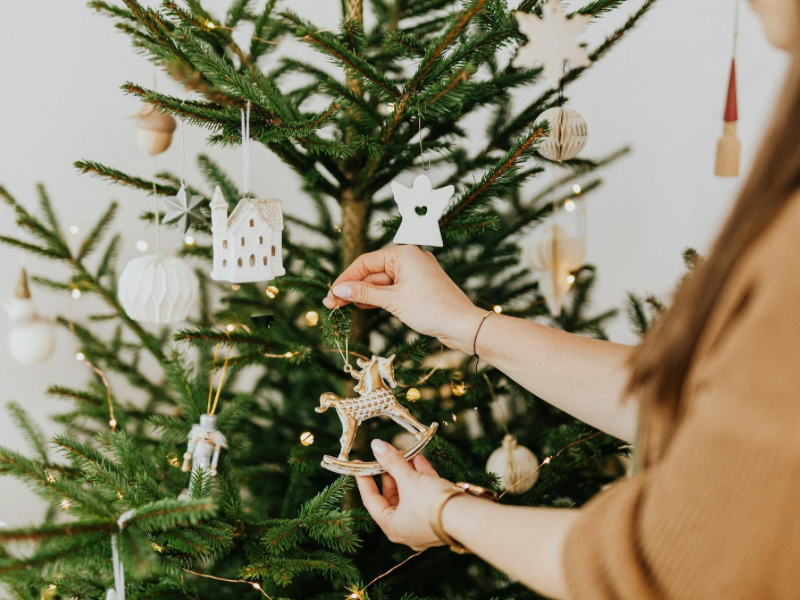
183,209
552,40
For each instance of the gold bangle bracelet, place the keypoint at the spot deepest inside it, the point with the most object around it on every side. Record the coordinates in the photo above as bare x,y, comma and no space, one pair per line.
437,508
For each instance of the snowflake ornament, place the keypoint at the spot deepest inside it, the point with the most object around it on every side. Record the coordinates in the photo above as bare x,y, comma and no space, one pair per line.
551,41
183,209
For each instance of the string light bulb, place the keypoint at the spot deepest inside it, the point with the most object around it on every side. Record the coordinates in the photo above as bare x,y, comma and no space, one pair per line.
79,356
569,205
142,246
576,188
312,318
497,308
76,293
74,229
230,327
65,504
113,423
189,240
571,279
256,586
289,355
272,291
459,387
454,417
210,24
306,438
412,394
546,461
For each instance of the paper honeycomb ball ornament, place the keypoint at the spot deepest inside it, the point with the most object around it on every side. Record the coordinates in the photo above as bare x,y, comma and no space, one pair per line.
155,289
567,135
154,130
553,255
31,339
514,464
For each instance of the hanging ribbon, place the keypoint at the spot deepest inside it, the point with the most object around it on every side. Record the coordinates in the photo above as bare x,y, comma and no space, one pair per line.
118,593
246,150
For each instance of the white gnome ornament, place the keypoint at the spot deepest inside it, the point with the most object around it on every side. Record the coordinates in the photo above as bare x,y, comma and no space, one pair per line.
31,339
514,465
154,130
554,255
421,206
205,444
248,244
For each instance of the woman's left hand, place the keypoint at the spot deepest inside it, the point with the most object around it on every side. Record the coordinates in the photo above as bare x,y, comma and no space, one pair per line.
408,489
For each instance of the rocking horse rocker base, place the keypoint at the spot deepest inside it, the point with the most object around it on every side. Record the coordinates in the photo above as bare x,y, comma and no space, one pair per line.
346,467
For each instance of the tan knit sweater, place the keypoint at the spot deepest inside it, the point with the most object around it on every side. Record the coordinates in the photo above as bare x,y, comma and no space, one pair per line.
718,515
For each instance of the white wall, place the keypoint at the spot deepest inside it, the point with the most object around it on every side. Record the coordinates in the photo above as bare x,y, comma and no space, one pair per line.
661,91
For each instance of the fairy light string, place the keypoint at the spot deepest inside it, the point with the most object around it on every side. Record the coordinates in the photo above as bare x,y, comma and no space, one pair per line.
112,419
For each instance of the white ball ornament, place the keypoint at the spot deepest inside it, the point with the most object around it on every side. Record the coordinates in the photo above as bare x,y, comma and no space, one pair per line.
567,135
156,289
514,464
154,130
31,340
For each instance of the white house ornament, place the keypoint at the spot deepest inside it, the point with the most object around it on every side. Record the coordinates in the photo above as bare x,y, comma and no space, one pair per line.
248,245
515,466
156,289
183,209
567,134
205,444
31,339
554,255
421,206
552,41
375,399
154,129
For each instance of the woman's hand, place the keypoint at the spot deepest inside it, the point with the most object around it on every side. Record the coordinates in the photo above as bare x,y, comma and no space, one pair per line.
401,509
411,285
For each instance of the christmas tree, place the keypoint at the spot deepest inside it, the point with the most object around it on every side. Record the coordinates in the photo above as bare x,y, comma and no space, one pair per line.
272,522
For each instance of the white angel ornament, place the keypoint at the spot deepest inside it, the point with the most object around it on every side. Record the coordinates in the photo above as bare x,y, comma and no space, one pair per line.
421,206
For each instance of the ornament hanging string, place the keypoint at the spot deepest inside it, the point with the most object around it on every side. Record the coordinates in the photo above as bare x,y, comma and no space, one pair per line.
497,402
119,568
735,27
421,151
157,213
246,150
213,408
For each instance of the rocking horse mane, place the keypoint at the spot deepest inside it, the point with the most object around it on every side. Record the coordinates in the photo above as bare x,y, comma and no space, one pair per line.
376,373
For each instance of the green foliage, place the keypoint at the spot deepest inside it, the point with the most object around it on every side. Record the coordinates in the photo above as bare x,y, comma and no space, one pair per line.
419,69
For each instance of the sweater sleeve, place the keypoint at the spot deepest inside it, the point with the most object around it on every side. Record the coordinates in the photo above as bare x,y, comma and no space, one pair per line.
718,517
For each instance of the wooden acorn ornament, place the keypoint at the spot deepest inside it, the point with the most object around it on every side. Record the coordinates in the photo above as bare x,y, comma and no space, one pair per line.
514,465
729,148
154,130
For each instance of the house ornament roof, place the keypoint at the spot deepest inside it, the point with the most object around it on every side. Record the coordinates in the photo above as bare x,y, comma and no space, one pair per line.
269,210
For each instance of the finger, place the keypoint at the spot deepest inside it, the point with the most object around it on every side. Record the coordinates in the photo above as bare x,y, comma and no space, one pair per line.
374,502
392,460
380,261
389,489
421,464
363,293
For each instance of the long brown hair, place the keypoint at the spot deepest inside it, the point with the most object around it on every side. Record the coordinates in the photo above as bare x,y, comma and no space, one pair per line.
661,365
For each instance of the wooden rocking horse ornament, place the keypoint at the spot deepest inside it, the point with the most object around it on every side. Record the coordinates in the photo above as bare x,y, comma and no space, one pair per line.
375,399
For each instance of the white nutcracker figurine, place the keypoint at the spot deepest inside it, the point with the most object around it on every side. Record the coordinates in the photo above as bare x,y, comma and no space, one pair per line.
205,443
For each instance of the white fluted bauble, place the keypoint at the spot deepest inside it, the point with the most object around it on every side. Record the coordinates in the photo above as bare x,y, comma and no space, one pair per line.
31,340
514,464
567,136
553,254
155,289
154,130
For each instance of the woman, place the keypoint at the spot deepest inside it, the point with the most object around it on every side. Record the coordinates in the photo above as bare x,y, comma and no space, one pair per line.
714,511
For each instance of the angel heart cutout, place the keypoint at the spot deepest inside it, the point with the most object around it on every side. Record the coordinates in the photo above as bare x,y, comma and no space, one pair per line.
421,206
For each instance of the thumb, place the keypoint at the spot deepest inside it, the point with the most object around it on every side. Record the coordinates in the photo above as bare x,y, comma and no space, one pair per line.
361,292
392,460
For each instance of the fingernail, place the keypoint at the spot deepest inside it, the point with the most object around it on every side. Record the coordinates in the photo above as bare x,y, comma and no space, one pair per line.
379,447
343,291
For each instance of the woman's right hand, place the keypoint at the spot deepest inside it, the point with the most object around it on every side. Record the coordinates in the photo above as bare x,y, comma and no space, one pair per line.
410,284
